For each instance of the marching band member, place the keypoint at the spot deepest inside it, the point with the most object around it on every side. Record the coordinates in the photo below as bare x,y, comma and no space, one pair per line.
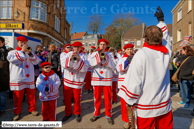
122,67
48,84
147,81
102,65
21,66
88,74
115,75
76,65
63,54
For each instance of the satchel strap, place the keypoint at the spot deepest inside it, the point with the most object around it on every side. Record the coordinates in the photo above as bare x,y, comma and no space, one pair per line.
183,63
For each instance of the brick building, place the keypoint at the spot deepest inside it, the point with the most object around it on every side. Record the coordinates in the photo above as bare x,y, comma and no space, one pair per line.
42,19
90,40
135,34
183,18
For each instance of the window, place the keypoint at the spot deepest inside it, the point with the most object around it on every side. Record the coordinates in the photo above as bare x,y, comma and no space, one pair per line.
86,44
38,11
58,4
189,28
93,44
178,35
179,14
5,9
189,5
89,43
125,42
57,24
139,43
83,44
131,42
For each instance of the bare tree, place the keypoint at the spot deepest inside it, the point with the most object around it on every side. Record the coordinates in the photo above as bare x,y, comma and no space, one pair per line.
95,24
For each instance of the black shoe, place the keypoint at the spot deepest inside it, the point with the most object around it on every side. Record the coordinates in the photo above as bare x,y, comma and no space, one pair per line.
78,118
110,121
92,91
94,118
1,113
66,118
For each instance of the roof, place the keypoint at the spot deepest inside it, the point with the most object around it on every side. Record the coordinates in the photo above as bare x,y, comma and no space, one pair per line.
78,35
133,32
177,6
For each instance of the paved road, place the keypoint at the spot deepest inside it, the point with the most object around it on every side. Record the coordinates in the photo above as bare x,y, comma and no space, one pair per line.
181,116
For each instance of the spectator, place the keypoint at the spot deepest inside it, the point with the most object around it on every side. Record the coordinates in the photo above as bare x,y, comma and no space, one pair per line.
54,58
38,50
4,76
185,75
42,59
10,48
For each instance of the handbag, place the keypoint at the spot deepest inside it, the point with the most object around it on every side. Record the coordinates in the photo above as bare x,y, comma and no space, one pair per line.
174,77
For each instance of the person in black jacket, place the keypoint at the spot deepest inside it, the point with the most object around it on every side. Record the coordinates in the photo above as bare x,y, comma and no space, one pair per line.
185,74
4,76
53,57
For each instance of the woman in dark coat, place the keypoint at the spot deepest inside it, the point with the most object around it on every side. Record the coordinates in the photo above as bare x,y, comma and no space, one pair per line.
53,57
185,74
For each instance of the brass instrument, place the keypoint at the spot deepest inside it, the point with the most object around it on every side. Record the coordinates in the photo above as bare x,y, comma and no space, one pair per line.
102,54
75,59
29,49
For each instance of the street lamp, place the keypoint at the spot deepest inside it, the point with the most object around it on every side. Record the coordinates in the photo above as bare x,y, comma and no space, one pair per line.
17,14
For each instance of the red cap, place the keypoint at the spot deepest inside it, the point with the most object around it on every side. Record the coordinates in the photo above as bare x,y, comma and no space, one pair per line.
93,47
77,44
67,45
45,63
83,48
103,40
21,38
120,50
128,46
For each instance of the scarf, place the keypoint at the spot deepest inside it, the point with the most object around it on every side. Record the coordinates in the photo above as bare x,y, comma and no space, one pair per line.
160,48
2,53
47,74
106,50
125,55
18,48
66,51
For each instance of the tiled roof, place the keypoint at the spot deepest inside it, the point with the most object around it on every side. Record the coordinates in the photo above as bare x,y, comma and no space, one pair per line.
133,32
78,35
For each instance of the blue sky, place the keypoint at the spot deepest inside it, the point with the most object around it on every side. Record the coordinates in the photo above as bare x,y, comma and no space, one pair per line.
78,11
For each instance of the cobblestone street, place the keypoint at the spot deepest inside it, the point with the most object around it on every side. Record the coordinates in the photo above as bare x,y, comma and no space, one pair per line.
182,116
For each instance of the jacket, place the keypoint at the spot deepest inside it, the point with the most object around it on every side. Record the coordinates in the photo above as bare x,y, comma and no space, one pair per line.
4,71
63,54
55,60
53,84
21,67
74,73
185,72
102,73
147,81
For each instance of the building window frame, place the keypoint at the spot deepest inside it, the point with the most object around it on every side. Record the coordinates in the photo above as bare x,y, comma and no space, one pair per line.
38,11
179,34
94,43
138,43
126,42
90,43
6,9
132,42
86,44
190,28
179,14
57,24
58,4
189,5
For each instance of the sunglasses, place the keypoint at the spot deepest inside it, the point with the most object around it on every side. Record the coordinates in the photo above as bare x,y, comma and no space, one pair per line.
68,47
47,67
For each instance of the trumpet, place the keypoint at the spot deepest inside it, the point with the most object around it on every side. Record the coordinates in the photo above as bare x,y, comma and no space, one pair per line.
29,49
102,54
75,59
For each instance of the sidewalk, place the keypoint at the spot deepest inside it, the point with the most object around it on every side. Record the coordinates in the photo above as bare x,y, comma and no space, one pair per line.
182,116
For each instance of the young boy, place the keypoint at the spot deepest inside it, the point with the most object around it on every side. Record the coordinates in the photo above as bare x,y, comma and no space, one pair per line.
122,67
48,84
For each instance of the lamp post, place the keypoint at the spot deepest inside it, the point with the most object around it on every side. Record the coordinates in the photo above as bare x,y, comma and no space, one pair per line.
17,14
